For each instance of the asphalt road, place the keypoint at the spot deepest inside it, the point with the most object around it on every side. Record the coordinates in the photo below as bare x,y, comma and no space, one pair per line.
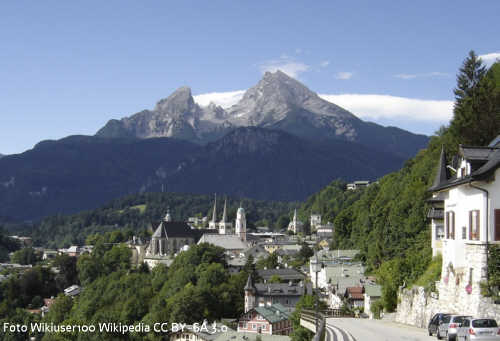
350,329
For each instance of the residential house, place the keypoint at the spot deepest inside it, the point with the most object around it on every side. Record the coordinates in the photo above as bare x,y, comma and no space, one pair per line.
264,294
373,293
235,264
355,297
270,319
257,252
315,221
49,254
331,258
358,184
470,190
325,232
73,290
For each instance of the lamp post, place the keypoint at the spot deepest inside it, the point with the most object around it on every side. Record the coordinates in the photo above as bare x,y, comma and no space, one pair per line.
316,268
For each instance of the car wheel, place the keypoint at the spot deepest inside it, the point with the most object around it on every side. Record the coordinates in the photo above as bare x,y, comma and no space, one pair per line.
438,336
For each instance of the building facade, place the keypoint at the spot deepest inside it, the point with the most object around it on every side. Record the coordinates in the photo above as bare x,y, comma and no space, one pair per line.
271,320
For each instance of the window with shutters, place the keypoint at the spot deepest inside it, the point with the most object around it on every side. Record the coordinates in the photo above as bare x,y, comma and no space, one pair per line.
497,224
450,225
474,225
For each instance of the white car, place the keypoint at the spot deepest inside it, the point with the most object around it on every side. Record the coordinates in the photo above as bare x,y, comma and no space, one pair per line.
482,329
449,326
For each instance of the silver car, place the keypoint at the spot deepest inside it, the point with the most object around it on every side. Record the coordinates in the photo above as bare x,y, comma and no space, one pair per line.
479,329
449,326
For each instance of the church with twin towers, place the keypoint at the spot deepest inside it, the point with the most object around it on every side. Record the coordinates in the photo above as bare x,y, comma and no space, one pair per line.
226,227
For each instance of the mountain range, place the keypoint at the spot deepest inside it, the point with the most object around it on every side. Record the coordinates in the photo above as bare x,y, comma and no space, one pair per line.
279,142
276,102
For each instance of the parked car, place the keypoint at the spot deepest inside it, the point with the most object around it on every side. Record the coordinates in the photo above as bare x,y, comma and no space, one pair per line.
449,326
434,322
478,329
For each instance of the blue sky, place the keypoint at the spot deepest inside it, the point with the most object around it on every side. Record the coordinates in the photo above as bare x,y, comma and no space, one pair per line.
68,67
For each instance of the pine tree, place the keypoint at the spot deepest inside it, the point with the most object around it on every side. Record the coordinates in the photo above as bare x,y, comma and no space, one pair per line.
476,118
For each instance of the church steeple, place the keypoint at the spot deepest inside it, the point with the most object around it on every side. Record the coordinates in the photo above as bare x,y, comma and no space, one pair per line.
249,294
225,227
224,214
241,224
212,224
214,214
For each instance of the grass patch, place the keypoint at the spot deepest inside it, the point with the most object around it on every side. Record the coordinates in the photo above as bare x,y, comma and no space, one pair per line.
141,208
431,275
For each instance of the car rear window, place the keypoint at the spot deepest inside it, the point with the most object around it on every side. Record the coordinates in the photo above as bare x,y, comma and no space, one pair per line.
485,323
446,318
459,319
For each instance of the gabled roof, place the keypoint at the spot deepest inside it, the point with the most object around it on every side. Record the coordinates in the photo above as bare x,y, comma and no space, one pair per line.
226,241
256,250
472,153
282,289
273,313
489,155
284,274
373,290
175,229
490,166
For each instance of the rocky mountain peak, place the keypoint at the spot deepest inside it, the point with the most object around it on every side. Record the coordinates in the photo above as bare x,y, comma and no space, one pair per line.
180,101
278,88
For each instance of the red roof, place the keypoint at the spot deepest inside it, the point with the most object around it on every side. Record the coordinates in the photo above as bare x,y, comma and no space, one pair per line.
357,296
355,290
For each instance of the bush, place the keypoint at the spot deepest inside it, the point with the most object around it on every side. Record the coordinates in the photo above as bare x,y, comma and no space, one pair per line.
377,308
431,275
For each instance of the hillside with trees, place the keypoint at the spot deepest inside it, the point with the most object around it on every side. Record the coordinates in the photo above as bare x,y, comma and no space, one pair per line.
138,213
387,221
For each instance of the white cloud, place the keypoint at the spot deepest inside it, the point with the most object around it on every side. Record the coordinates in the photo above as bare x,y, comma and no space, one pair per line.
364,106
286,64
393,107
324,63
343,75
421,75
224,99
490,58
